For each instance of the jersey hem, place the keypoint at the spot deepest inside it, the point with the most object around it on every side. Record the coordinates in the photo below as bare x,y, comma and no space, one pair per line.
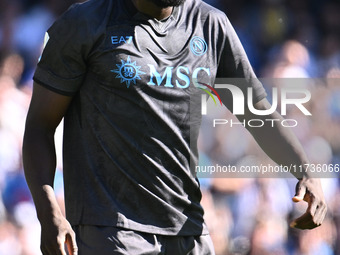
57,84
171,231
64,93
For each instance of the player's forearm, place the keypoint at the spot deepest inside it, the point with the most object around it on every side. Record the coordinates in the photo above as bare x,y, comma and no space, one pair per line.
39,164
280,143
277,141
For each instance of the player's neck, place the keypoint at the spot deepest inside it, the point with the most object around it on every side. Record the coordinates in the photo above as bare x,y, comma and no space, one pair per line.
150,9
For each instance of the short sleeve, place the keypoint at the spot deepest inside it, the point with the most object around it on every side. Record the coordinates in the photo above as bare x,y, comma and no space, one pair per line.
234,64
62,65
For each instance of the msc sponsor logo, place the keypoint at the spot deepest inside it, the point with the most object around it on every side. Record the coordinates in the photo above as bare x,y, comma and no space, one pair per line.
128,72
182,79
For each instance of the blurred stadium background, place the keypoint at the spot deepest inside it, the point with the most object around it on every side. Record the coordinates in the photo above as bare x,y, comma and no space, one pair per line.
283,39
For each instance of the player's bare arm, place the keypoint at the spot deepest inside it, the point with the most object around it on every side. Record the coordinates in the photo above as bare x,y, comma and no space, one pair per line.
45,113
281,145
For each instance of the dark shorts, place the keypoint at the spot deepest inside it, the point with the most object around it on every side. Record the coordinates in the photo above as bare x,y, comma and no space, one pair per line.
95,240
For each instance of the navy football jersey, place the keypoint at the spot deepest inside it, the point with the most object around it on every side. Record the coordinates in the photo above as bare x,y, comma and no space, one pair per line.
130,134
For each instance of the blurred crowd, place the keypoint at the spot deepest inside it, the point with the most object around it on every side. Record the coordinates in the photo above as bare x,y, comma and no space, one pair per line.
284,39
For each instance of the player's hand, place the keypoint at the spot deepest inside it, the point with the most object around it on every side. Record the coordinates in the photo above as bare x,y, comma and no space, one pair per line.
57,236
310,190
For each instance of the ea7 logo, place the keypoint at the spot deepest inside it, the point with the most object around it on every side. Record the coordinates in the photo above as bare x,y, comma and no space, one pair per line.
121,39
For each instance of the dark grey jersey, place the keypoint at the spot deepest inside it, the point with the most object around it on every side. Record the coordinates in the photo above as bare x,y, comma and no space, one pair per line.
131,130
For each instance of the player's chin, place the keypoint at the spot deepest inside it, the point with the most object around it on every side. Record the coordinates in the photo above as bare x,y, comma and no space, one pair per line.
167,3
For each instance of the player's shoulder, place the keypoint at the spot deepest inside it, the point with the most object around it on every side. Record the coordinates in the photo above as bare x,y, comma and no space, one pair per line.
90,11
82,19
